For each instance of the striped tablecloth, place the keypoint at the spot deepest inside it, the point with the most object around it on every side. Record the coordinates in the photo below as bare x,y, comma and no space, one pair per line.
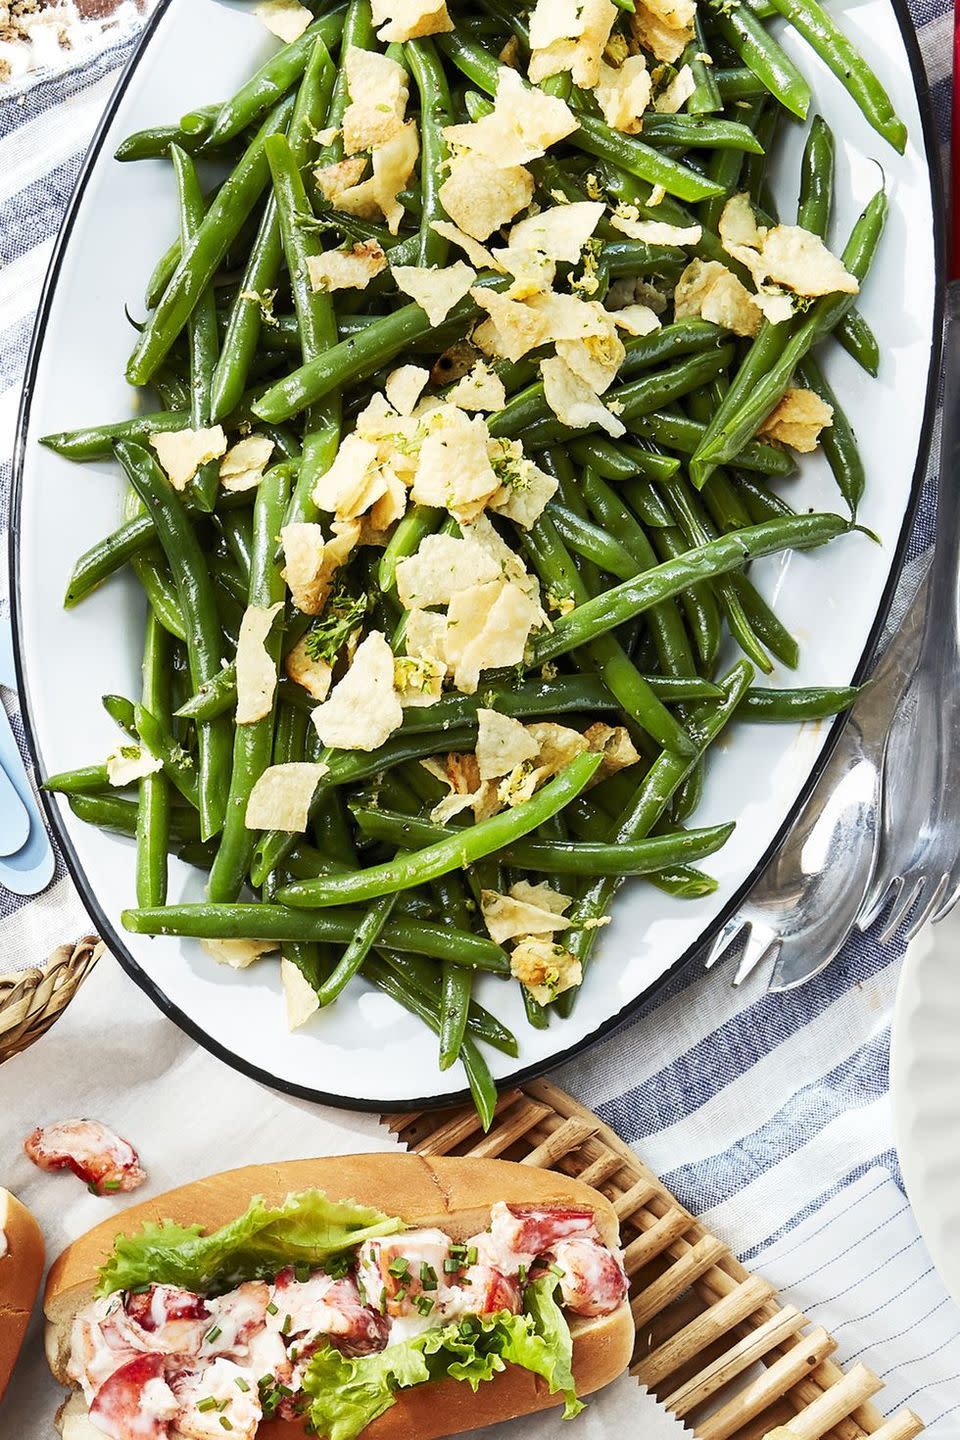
759,1111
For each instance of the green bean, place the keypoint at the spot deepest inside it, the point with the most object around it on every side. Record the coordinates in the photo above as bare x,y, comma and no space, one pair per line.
701,133
560,857
487,836
810,703
677,432
738,83
156,733
698,601
85,780
273,80
356,953
153,805
619,461
837,440
592,542
189,569
859,341
816,179
421,975
760,502
159,278
253,741
435,112
482,1088
199,263
96,442
706,98
203,337
119,815
456,984
826,38
278,922
154,142
735,423
634,597
760,53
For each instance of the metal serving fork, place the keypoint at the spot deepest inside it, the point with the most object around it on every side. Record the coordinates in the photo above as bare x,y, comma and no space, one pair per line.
806,902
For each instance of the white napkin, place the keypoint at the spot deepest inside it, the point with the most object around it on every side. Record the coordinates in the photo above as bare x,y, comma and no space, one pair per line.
115,1057
859,1267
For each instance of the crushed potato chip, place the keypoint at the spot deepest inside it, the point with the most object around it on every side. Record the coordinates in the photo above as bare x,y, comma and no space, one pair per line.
522,125
238,954
623,94
480,389
637,319
545,969
656,232
516,328
664,26
479,196
378,99
502,744
487,627
314,676
441,566
478,255
569,35
425,634
507,917
410,19
363,710
614,744
354,480
454,470
418,679
404,386
435,289
286,19
281,797
573,401
525,488
557,745
596,359
393,164
130,762
675,95
244,463
785,254
708,289
542,895
310,562
559,233
182,452
335,180
351,269
299,997
798,419
256,668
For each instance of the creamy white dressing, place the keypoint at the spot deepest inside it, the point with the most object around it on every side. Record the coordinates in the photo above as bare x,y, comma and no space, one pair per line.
405,1327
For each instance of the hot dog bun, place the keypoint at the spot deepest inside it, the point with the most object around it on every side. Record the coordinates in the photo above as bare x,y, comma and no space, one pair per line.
21,1266
452,1193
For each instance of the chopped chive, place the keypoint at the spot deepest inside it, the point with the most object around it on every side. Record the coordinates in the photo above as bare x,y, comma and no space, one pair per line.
399,1268
225,1423
302,1271
472,1255
272,1309
110,1185
285,1327
207,1403
212,1335
428,1276
241,1384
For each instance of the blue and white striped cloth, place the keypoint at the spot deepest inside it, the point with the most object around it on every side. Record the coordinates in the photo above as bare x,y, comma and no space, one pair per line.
767,1115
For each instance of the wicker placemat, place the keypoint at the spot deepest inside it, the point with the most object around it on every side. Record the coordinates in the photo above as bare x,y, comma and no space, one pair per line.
713,1341
31,1000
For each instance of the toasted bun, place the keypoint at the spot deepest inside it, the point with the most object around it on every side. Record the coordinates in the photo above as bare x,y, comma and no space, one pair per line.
454,1194
21,1266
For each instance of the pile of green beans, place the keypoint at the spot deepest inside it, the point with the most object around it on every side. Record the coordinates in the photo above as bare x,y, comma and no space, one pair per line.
642,554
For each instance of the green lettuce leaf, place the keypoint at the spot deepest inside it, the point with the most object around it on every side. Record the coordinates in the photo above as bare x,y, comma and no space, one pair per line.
348,1394
308,1228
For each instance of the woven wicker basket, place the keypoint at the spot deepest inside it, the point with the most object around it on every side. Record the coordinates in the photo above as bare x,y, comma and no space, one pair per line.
31,1000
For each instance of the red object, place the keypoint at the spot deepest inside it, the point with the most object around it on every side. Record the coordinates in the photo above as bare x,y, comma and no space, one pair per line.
100,1158
116,1407
174,1304
539,1229
953,260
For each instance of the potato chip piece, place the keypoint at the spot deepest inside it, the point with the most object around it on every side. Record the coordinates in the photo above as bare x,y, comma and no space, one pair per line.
799,260
479,196
738,225
334,180
244,463
623,94
351,269
502,744
378,89
517,328
637,319
480,389
353,482
569,317
363,710
130,762
404,386
182,452
656,232
454,470
664,26
238,954
560,232
314,676
436,290
557,745
441,566
545,969
506,917
425,634
525,488
542,895
596,360
410,19
674,96
487,627
285,18
798,419
393,164
299,997
572,400
478,255
310,562
708,289
256,668
281,798
482,530
522,125
418,679
614,744
569,35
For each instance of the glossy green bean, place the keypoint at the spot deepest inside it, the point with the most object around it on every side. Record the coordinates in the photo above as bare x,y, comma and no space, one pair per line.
760,53
809,703
153,802
203,337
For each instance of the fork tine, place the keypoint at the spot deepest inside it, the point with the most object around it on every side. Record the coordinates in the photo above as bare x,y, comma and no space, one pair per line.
952,897
730,932
761,942
881,895
906,898
923,914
